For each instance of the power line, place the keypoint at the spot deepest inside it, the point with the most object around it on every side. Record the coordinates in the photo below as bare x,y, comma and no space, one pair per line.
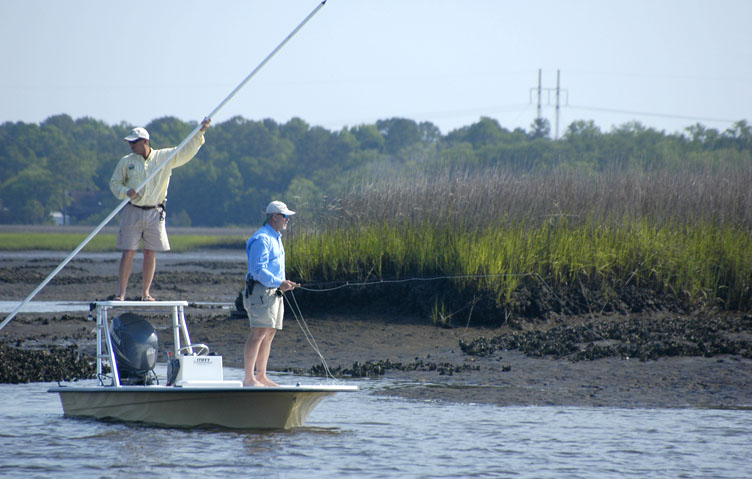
557,92
645,113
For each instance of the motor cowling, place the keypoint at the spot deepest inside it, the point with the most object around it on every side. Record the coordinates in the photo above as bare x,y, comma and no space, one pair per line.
135,344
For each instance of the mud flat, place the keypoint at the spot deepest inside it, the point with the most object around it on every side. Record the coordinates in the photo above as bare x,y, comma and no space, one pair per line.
655,359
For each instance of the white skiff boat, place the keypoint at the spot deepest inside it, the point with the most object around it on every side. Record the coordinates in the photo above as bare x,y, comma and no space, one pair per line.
194,393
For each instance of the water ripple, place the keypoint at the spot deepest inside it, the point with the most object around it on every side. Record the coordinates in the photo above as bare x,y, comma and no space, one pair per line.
362,435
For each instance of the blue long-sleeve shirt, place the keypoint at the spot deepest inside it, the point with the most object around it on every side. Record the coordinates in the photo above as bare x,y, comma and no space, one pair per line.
266,257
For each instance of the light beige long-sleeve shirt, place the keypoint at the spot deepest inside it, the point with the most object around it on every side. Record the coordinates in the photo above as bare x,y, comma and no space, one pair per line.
132,170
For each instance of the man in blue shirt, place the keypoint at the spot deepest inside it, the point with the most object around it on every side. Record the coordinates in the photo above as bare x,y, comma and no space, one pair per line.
262,298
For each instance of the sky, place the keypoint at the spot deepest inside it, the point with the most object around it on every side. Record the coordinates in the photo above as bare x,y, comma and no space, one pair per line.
667,64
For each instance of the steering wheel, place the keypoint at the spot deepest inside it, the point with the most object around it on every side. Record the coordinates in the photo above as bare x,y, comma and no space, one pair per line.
203,349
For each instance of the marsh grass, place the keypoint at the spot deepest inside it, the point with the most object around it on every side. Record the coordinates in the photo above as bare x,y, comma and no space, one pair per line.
682,234
14,241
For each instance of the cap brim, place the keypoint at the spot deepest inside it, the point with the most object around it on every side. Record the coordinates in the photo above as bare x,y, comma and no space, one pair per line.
280,212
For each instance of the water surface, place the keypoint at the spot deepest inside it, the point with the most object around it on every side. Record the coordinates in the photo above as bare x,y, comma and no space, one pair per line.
369,436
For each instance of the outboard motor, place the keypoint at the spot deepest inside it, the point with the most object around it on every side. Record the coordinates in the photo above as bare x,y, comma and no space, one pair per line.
135,344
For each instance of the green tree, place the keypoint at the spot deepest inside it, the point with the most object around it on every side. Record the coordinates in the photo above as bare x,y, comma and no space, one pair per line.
31,195
398,133
369,137
303,193
540,128
429,133
294,130
17,142
245,163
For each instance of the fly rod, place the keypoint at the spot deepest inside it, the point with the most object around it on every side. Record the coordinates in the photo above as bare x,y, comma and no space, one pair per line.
159,167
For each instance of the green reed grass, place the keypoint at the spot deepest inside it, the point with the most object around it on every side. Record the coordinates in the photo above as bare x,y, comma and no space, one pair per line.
699,262
702,262
55,241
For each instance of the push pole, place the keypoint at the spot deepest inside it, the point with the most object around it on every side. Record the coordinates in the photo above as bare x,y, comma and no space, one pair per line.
159,167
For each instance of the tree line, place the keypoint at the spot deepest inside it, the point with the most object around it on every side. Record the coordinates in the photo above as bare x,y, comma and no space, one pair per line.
65,165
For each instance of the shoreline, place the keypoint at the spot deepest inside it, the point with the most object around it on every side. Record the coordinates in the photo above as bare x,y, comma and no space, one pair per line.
426,361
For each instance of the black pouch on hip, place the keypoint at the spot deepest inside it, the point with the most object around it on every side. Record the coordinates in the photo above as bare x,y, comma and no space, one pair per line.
249,287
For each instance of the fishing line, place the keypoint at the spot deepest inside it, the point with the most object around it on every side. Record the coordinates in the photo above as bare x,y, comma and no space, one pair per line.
469,276
298,314
406,280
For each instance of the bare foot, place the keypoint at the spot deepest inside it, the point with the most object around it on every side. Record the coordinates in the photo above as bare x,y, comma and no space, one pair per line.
147,297
252,384
119,298
268,382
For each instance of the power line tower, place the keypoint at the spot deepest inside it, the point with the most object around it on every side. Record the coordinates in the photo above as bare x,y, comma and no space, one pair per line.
539,93
557,94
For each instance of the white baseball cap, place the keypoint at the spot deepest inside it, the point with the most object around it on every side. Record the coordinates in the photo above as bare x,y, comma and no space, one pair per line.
137,134
278,207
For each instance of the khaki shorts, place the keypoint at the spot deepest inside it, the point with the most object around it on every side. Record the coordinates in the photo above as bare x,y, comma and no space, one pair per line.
265,307
138,225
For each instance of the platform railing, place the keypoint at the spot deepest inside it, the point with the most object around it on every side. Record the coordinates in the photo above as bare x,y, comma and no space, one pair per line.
105,351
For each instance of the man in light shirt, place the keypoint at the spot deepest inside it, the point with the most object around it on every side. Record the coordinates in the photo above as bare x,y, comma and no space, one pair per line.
265,283
143,218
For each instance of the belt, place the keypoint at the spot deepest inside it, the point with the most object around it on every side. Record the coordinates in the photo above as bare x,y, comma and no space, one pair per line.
147,207
259,282
253,282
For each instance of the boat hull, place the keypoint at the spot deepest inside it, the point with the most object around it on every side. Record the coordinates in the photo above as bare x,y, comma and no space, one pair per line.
237,407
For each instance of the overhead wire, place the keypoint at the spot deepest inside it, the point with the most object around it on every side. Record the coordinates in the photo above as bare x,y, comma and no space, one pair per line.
646,113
